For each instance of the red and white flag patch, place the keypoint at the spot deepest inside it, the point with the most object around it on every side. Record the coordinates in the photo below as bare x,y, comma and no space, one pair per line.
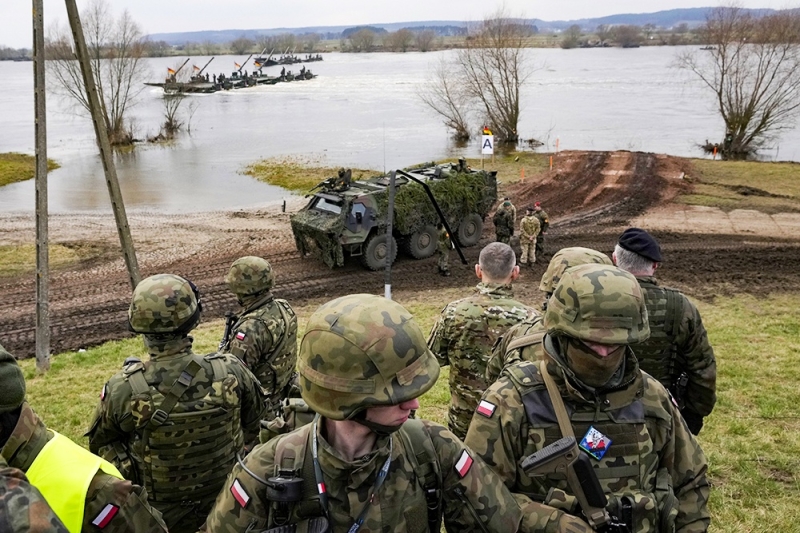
464,464
239,493
105,516
103,392
240,335
486,408
321,488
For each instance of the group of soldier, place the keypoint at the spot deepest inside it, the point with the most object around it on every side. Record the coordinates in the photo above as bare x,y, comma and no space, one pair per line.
614,372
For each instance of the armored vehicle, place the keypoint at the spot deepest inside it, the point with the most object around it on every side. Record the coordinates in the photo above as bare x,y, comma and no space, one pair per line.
345,217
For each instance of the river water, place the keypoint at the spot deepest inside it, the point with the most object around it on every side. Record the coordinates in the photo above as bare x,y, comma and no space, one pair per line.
362,110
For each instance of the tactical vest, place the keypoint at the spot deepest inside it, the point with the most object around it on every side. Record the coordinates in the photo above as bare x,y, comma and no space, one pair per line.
629,469
184,448
657,355
421,454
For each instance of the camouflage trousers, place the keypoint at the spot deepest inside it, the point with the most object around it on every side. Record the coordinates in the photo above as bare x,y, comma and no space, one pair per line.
540,245
444,261
503,237
528,249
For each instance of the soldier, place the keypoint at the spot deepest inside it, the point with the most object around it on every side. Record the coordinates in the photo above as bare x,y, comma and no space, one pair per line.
265,335
504,220
529,228
84,491
589,386
678,353
444,247
363,464
464,333
523,342
176,422
544,223
23,509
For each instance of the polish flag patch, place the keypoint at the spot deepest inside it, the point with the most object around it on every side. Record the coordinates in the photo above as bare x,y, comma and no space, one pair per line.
106,515
241,335
239,493
103,392
321,488
464,464
486,409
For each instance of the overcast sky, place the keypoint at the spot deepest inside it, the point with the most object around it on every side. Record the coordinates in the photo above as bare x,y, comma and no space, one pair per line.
159,16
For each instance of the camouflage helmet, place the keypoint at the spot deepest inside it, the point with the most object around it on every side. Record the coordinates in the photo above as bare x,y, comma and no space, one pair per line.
362,351
250,275
164,303
598,303
567,258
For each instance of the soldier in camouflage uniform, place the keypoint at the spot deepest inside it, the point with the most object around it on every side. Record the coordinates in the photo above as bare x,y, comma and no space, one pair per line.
544,223
444,246
63,472
589,386
265,335
678,353
527,335
466,330
176,422
529,228
504,220
363,464
22,507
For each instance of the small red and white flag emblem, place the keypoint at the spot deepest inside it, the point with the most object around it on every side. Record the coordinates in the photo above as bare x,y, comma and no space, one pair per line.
486,408
321,488
464,464
103,392
241,335
105,516
239,493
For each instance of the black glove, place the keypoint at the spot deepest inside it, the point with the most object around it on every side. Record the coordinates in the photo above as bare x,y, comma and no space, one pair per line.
693,421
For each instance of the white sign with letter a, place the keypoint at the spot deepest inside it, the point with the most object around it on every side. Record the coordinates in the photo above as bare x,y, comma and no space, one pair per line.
487,145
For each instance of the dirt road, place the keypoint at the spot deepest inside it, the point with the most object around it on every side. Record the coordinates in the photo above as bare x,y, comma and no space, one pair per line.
590,196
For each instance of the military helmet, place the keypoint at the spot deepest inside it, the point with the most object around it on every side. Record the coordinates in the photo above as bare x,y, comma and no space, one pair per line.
598,303
363,351
250,275
164,303
567,258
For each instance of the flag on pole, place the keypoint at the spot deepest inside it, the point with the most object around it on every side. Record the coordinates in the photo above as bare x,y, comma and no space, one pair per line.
170,71
237,65
486,130
258,65
195,67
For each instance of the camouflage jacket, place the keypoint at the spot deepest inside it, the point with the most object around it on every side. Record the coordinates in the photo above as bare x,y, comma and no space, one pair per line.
22,507
134,514
652,458
265,338
532,327
678,343
399,504
116,428
463,336
544,221
504,221
443,244
529,227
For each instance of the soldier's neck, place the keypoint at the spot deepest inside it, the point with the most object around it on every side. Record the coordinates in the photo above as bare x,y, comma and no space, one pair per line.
350,439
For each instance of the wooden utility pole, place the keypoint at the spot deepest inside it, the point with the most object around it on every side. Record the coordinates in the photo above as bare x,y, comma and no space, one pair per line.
387,282
106,155
42,239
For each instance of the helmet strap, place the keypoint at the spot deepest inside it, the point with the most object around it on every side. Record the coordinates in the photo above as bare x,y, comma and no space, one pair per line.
378,429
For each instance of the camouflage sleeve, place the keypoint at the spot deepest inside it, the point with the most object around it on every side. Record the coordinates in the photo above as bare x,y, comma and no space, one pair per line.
254,407
112,417
474,497
700,363
249,340
118,506
498,360
685,461
22,507
438,339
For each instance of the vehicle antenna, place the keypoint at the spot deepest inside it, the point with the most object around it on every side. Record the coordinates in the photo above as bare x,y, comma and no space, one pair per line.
384,147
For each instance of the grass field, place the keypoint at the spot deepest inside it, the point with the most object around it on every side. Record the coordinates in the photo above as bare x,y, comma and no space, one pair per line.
16,167
752,439
297,174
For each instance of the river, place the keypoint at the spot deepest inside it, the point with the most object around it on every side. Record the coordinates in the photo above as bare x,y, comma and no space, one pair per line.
362,110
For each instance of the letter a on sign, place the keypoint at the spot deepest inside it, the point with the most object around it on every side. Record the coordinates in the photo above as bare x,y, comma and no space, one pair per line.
487,146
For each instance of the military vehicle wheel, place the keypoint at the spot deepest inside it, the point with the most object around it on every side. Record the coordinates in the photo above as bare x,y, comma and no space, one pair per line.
470,229
422,243
376,250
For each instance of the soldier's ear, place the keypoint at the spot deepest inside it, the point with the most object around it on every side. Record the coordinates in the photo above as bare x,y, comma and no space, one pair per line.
478,271
515,272
614,258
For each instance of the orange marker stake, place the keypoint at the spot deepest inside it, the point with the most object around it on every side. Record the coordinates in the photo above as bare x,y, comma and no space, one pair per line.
522,174
551,162
715,152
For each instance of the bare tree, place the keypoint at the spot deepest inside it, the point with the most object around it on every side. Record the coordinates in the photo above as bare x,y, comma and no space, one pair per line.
399,41
752,66
242,45
604,32
116,48
572,37
310,41
425,40
648,30
448,96
362,41
628,36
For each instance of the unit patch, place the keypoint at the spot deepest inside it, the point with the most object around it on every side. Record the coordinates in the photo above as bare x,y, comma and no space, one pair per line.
239,493
486,408
464,464
105,516
595,443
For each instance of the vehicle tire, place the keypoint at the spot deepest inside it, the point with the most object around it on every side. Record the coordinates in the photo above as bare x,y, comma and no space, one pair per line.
470,230
422,243
375,251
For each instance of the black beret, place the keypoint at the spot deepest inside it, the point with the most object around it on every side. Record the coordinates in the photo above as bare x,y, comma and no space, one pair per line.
642,243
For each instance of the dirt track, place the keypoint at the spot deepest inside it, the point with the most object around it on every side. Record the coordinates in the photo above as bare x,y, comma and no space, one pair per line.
591,197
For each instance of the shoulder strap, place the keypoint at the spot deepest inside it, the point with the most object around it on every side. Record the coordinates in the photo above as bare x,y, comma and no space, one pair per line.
217,361
293,461
423,458
172,397
558,403
526,340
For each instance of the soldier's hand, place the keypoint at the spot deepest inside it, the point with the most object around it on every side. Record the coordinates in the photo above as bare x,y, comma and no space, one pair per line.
572,524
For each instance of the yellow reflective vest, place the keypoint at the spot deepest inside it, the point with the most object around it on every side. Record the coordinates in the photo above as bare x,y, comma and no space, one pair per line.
62,472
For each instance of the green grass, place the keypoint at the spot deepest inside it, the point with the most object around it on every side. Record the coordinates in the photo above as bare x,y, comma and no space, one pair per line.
16,167
752,439
773,187
20,258
297,174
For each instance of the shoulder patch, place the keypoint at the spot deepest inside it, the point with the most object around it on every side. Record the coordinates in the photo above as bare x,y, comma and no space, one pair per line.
239,493
486,408
104,392
105,516
240,335
464,464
